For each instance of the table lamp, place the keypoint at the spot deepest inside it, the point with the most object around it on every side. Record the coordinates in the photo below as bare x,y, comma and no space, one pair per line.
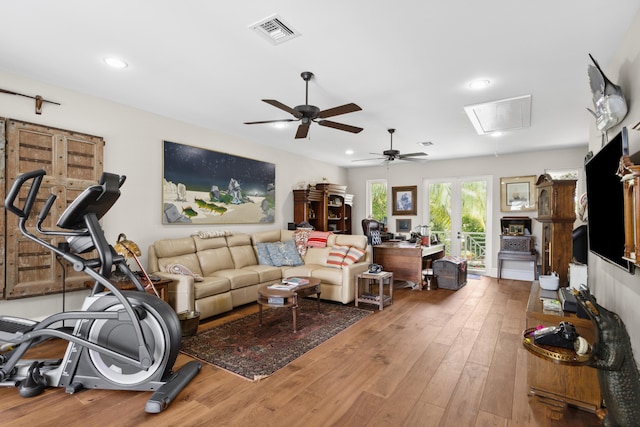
129,249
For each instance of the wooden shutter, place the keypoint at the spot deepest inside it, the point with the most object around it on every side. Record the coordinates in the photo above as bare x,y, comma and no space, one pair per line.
72,161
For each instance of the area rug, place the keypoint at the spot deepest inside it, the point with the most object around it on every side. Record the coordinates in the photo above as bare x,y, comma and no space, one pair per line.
254,352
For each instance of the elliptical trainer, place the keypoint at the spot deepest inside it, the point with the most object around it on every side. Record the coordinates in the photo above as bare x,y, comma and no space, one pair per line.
122,340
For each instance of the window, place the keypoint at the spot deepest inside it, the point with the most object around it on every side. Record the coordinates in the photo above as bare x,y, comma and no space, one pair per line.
377,200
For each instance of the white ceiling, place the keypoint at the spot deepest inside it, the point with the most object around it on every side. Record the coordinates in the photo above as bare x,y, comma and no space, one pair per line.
407,64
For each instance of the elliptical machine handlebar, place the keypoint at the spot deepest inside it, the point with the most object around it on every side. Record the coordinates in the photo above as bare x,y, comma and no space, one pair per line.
9,201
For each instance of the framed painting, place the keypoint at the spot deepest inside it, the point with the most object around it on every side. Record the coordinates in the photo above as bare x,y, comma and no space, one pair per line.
518,193
202,186
404,200
403,225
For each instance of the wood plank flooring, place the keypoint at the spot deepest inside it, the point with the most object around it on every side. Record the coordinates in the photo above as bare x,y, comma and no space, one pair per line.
432,358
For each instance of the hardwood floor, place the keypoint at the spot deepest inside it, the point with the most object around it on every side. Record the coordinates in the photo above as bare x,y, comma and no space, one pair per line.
432,358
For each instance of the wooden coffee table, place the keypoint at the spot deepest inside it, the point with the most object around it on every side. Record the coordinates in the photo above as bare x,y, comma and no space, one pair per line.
280,298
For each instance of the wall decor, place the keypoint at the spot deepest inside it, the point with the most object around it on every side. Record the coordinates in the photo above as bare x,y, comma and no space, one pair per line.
405,200
202,186
518,193
403,225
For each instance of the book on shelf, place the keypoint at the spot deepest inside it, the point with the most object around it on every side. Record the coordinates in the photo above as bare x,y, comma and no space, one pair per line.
297,281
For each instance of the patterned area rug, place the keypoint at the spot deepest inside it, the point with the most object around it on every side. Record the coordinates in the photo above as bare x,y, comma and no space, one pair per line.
252,351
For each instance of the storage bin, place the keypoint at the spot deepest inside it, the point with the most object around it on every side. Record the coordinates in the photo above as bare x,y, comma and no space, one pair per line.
450,272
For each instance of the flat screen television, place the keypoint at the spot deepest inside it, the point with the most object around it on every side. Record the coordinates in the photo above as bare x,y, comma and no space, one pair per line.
605,202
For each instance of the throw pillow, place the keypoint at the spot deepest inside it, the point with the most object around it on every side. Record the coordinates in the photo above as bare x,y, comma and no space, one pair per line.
336,256
284,253
375,237
263,254
354,255
301,237
181,269
318,239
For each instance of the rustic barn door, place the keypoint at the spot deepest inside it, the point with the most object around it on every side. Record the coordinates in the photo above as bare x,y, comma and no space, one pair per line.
72,162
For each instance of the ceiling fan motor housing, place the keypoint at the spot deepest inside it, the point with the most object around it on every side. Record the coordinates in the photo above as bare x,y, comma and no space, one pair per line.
310,111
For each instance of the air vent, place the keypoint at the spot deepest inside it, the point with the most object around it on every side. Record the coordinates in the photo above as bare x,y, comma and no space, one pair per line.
275,29
500,116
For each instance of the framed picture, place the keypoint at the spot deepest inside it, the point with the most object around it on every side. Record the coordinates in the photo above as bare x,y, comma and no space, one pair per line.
404,200
403,225
518,193
516,229
201,186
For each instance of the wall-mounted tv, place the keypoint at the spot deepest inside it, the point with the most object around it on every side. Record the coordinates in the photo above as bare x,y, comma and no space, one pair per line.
605,202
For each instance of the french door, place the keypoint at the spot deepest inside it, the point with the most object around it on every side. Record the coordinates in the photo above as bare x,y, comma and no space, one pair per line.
457,211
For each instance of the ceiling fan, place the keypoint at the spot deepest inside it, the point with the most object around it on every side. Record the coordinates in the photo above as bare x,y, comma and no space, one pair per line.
391,154
310,113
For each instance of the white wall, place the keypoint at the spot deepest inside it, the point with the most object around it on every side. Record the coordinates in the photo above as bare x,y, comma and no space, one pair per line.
405,173
615,289
134,148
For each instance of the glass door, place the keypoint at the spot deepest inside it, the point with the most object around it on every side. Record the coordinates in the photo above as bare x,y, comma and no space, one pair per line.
458,215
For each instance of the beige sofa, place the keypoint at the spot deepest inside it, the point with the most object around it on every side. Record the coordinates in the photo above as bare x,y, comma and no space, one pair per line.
229,272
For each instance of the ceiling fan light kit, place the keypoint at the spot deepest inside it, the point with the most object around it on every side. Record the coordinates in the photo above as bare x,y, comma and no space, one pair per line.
307,114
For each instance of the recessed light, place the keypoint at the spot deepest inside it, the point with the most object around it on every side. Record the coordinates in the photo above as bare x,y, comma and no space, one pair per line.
479,84
349,152
115,62
425,143
496,134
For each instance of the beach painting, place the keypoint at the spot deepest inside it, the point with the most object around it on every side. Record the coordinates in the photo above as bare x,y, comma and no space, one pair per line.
202,186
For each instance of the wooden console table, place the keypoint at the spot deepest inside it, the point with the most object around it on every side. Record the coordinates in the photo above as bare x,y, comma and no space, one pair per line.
555,384
405,259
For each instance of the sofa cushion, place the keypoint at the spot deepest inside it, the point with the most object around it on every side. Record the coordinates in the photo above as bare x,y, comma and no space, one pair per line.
353,255
359,241
284,253
336,256
263,254
301,237
212,260
211,286
239,278
174,247
212,243
243,256
318,239
266,236
266,273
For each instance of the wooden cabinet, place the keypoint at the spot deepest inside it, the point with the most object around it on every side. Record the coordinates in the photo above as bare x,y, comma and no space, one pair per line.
326,207
556,212
556,384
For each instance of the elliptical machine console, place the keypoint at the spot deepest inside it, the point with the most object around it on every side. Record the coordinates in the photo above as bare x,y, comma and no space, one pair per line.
122,340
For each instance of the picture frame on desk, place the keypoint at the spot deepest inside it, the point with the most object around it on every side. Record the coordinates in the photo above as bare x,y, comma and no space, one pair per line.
518,193
403,225
405,200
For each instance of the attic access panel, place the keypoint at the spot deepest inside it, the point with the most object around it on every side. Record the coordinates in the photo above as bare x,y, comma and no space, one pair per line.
500,116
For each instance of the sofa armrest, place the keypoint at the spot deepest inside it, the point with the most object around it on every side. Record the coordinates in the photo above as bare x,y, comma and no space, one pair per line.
181,291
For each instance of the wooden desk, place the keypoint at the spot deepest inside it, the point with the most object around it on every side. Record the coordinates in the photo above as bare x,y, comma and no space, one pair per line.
555,384
405,259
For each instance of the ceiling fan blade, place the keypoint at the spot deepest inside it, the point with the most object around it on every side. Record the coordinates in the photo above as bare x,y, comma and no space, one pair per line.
340,126
364,160
336,111
303,130
412,159
281,106
270,121
402,156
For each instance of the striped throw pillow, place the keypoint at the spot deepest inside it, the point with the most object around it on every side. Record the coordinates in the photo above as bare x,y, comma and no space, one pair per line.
318,239
353,255
336,256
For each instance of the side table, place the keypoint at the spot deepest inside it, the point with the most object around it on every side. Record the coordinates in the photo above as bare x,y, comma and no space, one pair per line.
380,299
